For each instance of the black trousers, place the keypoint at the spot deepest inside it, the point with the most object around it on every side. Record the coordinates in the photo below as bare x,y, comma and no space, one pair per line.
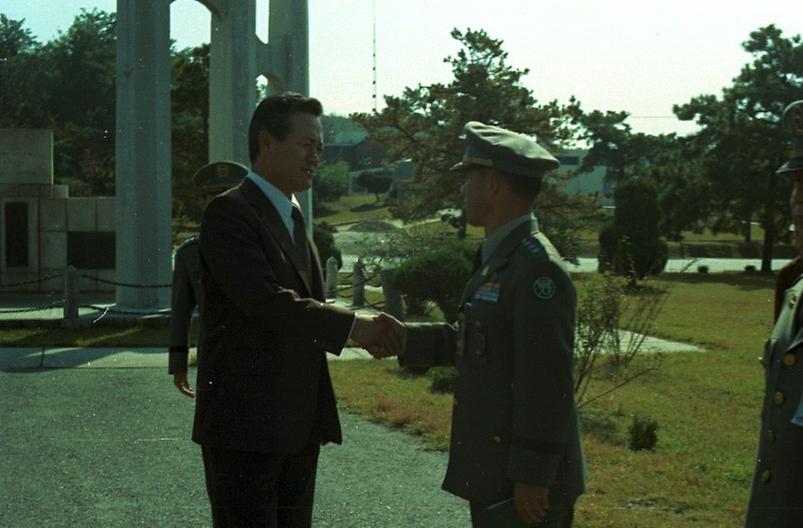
261,490
478,518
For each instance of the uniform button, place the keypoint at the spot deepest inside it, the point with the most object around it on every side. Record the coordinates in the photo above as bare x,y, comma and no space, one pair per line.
771,436
498,439
789,360
778,398
766,475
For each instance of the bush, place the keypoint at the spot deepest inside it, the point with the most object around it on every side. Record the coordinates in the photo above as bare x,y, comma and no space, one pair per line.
632,246
437,275
323,236
442,379
642,433
331,182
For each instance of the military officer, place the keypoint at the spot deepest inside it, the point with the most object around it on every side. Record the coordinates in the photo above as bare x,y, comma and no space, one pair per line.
788,274
776,497
211,179
515,450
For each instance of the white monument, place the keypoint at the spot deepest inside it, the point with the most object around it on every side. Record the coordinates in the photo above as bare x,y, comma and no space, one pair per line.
143,169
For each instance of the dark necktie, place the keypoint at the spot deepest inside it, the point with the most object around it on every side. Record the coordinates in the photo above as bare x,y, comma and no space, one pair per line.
300,238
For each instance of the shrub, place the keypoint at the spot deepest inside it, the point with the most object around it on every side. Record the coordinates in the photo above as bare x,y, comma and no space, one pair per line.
323,236
642,433
442,379
437,274
633,246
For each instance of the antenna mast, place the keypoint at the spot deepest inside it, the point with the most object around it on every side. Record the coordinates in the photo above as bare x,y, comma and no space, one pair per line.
376,100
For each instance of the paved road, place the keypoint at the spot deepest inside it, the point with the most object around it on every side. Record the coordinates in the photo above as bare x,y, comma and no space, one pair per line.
101,439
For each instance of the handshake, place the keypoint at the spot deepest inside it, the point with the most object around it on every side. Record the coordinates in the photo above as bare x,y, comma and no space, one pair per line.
381,335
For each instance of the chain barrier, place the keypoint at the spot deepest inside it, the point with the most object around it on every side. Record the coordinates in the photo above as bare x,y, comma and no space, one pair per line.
54,304
126,284
27,283
109,309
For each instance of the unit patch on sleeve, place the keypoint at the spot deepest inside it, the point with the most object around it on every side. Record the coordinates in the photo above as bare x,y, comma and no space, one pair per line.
488,292
544,288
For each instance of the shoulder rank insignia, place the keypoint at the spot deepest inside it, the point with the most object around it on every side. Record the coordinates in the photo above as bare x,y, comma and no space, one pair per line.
532,247
544,288
488,292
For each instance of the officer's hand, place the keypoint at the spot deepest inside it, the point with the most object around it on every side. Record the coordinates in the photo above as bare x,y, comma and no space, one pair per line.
380,335
181,383
531,501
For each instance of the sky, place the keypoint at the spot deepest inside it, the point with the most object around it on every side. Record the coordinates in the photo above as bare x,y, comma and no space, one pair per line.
632,55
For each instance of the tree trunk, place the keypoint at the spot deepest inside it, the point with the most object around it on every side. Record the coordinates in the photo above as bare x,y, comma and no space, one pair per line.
748,229
769,227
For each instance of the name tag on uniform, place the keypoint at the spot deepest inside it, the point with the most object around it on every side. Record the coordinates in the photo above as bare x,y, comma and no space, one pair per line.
488,292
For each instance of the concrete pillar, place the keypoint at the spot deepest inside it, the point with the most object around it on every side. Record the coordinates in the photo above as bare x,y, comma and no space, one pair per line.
331,278
358,284
232,78
70,297
285,62
393,300
142,152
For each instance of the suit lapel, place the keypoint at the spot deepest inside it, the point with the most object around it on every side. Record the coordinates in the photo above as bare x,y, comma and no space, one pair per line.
273,222
499,258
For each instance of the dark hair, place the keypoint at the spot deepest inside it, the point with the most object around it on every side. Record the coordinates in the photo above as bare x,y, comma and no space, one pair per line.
273,115
522,185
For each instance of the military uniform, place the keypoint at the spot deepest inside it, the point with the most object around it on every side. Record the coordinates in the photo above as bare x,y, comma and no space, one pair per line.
187,292
776,499
514,418
776,496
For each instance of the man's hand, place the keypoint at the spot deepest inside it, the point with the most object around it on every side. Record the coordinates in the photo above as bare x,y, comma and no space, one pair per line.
381,335
181,383
531,501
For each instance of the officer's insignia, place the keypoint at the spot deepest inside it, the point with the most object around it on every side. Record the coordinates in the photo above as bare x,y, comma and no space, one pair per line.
488,292
544,288
533,248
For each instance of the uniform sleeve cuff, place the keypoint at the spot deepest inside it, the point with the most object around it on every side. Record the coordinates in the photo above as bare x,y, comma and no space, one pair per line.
177,359
537,468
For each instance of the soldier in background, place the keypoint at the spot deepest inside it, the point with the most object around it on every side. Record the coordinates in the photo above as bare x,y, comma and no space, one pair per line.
515,451
788,274
211,180
776,496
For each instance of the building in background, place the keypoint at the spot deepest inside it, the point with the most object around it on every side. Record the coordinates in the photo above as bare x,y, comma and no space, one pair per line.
43,229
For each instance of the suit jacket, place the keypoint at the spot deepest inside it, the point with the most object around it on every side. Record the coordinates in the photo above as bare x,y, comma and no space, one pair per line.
514,417
263,382
776,496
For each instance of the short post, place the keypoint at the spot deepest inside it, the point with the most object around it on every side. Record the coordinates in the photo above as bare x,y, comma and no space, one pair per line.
393,300
331,278
71,296
358,284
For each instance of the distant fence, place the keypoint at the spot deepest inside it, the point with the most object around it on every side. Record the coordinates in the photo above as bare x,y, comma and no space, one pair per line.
70,298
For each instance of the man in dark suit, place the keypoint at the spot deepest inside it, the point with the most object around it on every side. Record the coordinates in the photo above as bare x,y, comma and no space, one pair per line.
265,402
515,451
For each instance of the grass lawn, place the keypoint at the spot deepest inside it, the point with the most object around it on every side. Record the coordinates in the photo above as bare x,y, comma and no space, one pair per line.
706,404
350,209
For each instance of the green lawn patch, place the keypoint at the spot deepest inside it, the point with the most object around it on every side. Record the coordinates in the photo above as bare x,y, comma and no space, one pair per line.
350,209
706,405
